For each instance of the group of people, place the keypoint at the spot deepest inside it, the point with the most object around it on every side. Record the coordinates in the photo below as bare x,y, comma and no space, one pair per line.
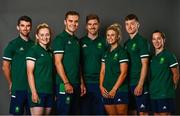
90,75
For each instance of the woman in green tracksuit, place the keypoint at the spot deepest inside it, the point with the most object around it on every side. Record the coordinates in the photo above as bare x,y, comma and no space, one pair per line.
39,70
164,73
113,82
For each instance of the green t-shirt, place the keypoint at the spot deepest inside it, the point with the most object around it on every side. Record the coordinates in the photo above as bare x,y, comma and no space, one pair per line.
112,62
137,48
42,69
91,54
161,80
15,53
68,45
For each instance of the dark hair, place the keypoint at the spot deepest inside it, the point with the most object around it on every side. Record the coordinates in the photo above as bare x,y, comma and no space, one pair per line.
131,17
91,17
24,18
71,13
162,33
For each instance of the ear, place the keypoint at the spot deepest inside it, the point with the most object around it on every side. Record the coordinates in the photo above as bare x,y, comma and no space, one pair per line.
37,37
138,24
17,27
64,22
164,40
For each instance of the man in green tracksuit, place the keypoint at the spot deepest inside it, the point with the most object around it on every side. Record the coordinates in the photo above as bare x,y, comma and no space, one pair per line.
92,48
138,51
66,51
14,67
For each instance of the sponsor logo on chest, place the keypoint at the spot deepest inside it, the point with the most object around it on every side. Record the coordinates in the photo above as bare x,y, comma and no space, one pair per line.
42,54
99,45
84,46
69,42
134,45
161,61
21,49
115,56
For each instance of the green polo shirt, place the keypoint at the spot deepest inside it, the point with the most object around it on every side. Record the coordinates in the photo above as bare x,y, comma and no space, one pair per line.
91,54
15,53
68,45
137,48
42,69
161,80
112,62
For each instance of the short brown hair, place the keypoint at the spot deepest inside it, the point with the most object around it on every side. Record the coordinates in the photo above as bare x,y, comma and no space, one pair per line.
71,13
91,17
131,17
25,18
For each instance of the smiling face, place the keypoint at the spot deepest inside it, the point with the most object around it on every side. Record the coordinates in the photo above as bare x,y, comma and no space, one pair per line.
71,23
43,36
112,37
132,26
24,28
92,26
157,40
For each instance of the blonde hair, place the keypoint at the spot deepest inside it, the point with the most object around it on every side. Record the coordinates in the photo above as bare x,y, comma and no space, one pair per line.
117,28
41,26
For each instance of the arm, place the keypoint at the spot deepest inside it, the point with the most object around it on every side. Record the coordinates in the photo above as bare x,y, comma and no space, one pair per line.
30,74
102,73
120,80
6,67
144,69
175,71
60,70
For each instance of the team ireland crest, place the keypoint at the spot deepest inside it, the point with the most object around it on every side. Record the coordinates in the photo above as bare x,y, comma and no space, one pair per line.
99,45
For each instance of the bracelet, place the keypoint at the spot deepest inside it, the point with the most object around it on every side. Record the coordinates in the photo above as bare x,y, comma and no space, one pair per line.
66,83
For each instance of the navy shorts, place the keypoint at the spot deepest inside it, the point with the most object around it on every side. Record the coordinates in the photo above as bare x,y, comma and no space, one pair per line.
45,100
119,98
92,102
67,103
19,102
142,101
163,105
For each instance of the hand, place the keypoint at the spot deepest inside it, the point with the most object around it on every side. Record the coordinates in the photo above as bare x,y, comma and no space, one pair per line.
175,85
9,89
112,93
83,89
35,97
68,88
104,92
138,90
